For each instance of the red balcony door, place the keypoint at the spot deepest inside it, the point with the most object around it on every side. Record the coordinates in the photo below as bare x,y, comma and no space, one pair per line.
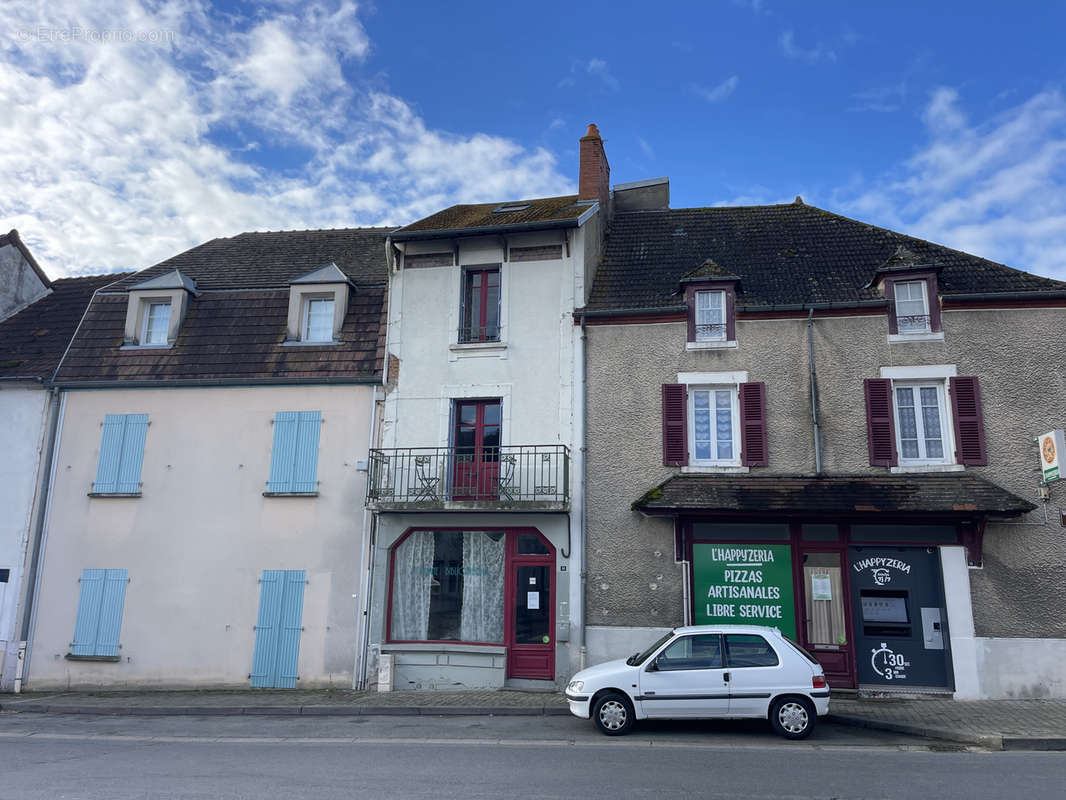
477,450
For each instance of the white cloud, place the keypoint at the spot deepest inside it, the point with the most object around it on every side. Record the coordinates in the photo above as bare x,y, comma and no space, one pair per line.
787,42
996,189
720,92
595,67
882,99
645,147
115,154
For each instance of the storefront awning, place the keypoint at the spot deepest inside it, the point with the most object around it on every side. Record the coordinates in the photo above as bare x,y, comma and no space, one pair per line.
958,494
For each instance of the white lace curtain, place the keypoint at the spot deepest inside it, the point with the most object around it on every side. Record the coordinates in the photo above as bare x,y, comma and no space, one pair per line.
481,619
412,582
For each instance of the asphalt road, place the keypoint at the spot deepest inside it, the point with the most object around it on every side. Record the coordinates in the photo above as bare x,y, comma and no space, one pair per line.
233,758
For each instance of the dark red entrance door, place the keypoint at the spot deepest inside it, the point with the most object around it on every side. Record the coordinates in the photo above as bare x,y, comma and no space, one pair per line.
475,474
824,612
531,608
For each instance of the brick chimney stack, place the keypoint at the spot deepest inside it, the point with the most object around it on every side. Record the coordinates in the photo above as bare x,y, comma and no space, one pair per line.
594,178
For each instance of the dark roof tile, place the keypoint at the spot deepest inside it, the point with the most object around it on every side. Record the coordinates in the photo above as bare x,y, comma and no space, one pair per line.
483,215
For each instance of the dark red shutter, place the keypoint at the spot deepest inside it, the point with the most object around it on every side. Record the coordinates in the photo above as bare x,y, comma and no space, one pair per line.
890,296
880,429
932,292
753,452
730,315
675,433
969,422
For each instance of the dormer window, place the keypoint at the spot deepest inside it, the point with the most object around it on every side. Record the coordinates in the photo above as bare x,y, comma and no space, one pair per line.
318,303
318,319
156,323
912,307
710,316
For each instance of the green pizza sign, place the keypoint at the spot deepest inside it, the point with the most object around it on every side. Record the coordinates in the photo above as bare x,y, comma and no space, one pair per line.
744,585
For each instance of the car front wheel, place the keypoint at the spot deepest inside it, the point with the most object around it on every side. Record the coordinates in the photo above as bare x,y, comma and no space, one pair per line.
613,714
793,717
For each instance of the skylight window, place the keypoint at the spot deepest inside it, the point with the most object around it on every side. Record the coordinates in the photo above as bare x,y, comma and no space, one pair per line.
506,207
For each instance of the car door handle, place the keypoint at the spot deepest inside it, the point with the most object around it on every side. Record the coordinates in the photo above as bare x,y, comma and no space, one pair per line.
725,677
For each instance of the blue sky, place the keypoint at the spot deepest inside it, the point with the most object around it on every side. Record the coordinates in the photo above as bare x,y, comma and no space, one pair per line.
138,128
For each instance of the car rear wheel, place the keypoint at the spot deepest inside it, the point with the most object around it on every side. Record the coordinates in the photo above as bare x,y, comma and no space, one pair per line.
613,714
793,717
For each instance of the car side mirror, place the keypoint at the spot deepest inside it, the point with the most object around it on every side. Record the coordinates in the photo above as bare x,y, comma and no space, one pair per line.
653,666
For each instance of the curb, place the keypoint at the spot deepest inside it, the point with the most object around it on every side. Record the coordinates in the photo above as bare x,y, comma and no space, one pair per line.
289,711
989,741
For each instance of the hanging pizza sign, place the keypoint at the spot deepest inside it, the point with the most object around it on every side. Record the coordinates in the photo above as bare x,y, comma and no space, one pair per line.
1052,450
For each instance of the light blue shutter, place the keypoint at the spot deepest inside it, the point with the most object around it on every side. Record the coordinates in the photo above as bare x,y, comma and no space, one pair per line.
88,621
114,597
277,631
129,471
294,456
118,470
305,471
291,621
267,628
283,452
99,622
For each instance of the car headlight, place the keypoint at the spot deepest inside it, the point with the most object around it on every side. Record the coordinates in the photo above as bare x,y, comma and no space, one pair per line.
576,686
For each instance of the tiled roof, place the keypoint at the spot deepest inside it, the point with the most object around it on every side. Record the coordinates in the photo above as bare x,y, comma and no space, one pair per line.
784,255
235,326
229,335
958,493
485,215
12,238
270,259
33,340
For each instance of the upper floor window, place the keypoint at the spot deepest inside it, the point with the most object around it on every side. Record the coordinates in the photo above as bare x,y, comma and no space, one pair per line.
912,307
156,322
481,306
920,410
118,468
710,316
713,414
318,319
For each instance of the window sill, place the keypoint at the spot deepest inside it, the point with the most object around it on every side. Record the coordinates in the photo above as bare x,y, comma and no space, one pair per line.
146,347
295,343
290,494
719,469
442,647
907,468
930,336
477,350
723,345
114,494
108,659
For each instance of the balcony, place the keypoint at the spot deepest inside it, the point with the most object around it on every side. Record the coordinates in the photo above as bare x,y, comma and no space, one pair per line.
513,478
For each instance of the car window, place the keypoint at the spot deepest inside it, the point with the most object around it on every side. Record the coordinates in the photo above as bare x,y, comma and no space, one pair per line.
640,658
749,650
692,652
802,651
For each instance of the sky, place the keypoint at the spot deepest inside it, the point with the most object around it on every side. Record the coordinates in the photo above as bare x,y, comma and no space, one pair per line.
131,130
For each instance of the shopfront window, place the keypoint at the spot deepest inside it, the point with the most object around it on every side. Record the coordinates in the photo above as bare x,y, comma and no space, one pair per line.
449,586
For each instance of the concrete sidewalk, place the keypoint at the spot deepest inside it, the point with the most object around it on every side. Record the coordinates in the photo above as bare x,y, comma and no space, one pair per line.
995,724
304,702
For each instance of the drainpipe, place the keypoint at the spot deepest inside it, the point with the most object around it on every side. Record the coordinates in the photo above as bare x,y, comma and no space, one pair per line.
40,533
814,395
581,365
366,578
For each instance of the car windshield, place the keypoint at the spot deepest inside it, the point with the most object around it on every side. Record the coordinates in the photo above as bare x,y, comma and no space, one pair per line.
640,658
807,655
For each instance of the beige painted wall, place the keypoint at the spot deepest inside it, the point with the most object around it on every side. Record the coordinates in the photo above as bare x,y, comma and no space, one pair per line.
1017,355
198,539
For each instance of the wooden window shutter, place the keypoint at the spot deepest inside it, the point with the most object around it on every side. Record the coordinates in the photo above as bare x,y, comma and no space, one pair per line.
880,428
675,431
890,296
753,451
730,312
99,620
932,292
294,454
969,422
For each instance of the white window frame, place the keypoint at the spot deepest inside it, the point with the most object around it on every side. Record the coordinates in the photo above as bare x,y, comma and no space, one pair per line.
946,423
696,312
925,307
148,306
690,400
305,317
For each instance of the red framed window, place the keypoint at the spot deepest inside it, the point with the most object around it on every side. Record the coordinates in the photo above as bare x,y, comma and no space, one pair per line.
481,305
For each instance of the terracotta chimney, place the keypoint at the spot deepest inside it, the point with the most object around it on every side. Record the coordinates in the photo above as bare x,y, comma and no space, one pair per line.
594,178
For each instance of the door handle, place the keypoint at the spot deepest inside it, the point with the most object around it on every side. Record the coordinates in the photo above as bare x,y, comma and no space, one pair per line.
725,677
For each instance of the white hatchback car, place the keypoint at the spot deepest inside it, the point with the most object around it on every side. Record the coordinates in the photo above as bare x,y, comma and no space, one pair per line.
701,671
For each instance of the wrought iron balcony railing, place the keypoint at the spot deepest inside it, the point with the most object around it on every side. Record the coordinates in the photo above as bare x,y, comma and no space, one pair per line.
912,323
709,332
487,333
516,476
